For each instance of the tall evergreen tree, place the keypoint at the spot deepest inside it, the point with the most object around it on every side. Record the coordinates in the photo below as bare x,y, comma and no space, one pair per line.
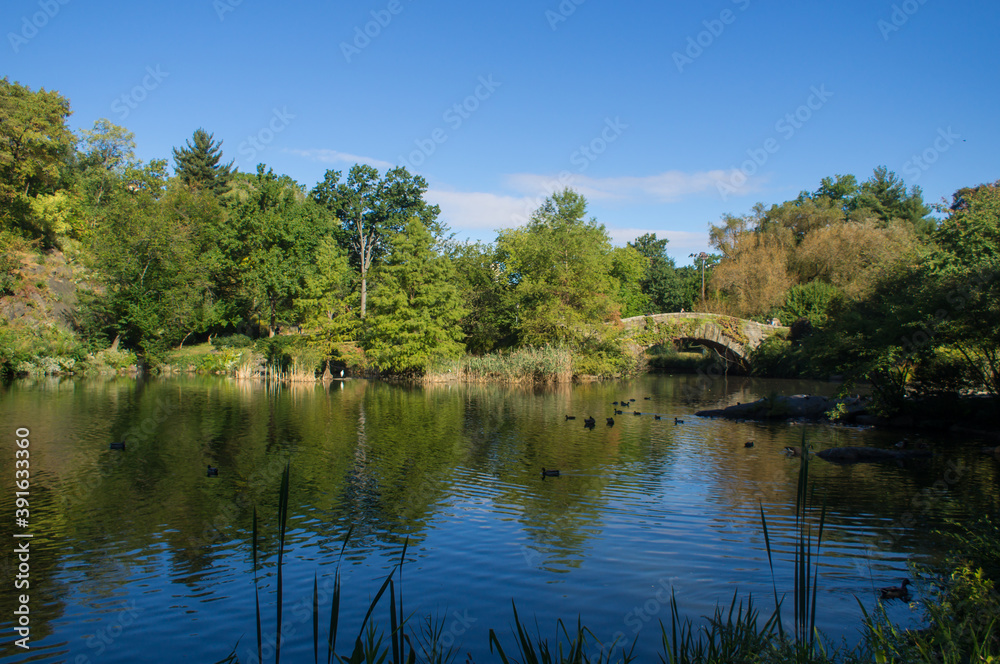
198,165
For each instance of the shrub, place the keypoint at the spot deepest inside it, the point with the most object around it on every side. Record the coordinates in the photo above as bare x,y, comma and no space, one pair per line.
232,341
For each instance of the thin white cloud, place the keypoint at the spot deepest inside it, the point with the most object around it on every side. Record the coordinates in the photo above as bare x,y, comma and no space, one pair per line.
670,186
681,245
336,157
479,210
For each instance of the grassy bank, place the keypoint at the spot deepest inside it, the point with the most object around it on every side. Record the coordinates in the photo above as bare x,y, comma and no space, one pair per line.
522,365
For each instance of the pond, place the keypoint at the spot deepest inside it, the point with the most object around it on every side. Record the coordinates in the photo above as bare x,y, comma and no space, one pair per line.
139,555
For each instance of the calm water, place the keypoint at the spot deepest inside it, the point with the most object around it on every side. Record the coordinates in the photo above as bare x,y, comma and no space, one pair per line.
139,556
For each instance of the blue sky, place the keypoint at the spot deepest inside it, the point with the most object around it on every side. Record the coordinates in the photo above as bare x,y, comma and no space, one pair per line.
665,115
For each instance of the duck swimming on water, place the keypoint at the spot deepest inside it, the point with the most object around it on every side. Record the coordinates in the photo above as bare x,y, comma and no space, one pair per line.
895,592
549,473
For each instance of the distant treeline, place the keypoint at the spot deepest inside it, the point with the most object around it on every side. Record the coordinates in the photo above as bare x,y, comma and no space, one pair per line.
362,269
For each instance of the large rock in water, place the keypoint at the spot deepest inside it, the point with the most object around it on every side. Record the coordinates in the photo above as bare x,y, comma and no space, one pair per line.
869,454
799,406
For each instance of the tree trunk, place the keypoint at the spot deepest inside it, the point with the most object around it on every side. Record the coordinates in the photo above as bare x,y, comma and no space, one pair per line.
364,294
271,323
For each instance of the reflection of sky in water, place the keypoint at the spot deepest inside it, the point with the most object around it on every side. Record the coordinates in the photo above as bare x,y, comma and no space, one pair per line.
640,508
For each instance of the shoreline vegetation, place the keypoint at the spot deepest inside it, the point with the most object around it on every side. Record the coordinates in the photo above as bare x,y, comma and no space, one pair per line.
110,264
959,600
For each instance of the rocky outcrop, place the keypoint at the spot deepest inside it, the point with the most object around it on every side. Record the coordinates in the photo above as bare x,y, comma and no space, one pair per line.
799,406
870,454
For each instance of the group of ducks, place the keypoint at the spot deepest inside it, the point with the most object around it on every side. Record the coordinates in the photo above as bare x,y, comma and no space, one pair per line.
591,422
211,472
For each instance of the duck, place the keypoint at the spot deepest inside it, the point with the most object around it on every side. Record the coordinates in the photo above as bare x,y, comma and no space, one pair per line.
212,471
589,422
619,412
647,398
631,400
635,412
749,443
118,446
549,473
571,417
895,592
792,450
657,417
677,421
611,421
614,403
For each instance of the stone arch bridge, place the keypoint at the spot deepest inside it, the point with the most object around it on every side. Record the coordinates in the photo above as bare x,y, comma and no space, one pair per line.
733,338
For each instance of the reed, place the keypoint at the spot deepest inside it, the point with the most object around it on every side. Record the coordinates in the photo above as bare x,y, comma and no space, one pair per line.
522,365
572,648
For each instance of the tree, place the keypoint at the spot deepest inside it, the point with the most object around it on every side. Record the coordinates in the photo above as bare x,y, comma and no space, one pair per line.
105,152
197,165
661,283
488,296
885,197
417,309
628,270
966,282
107,146
147,259
275,230
34,144
754,275
561,266
855,256
371,211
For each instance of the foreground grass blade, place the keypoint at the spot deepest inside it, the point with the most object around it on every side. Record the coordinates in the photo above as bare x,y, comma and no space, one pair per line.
315,618
256,590
770,562
231,658
331,643
282,525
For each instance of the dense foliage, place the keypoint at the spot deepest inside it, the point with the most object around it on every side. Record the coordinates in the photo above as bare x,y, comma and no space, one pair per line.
359,269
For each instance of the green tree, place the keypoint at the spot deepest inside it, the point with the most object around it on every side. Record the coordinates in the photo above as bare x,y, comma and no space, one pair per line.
372,210
628,270
488,296
146,257
966,282
561,266
197,165
275,231
417,308
107,146
884,196
35,143
662,284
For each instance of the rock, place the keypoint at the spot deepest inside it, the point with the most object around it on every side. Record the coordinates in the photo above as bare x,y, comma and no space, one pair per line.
796,407
870,454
